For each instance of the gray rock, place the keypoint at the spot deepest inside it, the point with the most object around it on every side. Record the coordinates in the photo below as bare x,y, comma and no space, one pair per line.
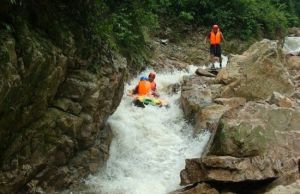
55,97
253,143
257,73
203,72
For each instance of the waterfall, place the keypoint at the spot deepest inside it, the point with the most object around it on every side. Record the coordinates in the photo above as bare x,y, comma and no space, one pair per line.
150,145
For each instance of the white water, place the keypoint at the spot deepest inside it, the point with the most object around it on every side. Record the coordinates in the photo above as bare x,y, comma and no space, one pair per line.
224,62
292,45
150,145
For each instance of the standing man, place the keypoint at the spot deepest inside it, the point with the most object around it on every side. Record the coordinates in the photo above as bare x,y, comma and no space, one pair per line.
215,37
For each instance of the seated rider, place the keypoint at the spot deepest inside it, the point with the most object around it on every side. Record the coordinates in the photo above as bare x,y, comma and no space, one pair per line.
143,88
151,78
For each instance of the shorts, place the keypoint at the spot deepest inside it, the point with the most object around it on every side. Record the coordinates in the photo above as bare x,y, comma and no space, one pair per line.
215,50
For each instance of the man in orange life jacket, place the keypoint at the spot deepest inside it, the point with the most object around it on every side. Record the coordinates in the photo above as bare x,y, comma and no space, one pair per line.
215,37
151,78
146,86
143,88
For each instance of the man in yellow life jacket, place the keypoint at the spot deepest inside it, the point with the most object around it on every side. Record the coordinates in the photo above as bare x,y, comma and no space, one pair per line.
215,37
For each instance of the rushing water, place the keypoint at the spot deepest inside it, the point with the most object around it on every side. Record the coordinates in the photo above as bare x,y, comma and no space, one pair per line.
292,45
150,145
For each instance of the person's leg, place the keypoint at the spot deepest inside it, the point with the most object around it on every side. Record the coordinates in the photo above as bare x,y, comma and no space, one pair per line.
212,55
219,54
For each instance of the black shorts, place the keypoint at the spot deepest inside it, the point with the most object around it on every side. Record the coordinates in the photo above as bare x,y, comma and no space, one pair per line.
215,50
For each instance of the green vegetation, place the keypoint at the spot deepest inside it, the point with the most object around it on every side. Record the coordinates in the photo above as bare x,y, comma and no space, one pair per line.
238,18
125,25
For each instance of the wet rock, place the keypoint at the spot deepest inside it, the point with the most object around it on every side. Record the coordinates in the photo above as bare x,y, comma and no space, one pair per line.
294,31
174,88
276,97
257,73
195,95
201,188
209,116
231,102
216,90
256,142
296,95
256,128
232,169
281,100
203,72
293,62
68,105
55,97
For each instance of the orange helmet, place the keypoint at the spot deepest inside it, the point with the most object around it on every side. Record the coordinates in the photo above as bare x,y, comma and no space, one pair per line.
152,74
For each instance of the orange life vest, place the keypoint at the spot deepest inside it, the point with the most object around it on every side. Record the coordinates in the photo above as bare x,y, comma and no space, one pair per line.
153,86
144,87
215,38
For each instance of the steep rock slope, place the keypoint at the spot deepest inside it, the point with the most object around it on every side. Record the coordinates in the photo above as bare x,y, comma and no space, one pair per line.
252,110
58,86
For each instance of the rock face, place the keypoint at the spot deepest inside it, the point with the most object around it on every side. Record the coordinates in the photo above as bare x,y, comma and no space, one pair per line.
203,72
257,73
293,62
199,189
195,95
254,118
292,188
232,169
55,95
256,129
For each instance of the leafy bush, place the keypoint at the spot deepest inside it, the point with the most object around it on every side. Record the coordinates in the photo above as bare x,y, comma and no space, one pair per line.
238,18
124,25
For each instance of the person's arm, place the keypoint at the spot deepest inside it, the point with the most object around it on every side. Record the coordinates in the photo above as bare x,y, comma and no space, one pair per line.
135,91
154,89
222,37
155,94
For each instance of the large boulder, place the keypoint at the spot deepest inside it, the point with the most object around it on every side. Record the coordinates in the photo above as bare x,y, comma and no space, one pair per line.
256,129
195,95
254,143
256,73
232,169
209,116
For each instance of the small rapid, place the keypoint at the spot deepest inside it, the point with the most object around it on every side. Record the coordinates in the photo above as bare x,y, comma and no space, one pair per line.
150,145
292,45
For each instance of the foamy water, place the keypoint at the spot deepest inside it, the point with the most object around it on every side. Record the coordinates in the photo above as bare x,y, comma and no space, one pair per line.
150,145
292,45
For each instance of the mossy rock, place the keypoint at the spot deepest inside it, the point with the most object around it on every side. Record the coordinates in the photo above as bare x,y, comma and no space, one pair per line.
254,130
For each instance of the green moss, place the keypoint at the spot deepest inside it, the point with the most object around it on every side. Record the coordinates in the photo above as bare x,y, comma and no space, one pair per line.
242,140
